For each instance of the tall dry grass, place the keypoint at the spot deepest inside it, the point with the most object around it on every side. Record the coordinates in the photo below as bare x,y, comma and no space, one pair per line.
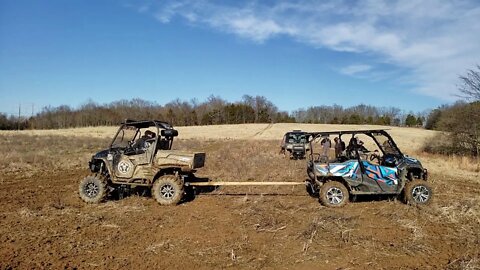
452,219
244,160
409,139
25,155
464,165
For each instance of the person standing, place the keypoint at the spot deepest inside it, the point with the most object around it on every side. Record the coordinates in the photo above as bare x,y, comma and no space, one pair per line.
326,144
339,147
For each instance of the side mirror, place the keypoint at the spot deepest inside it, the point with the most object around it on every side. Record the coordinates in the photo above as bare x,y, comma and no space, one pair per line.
169,133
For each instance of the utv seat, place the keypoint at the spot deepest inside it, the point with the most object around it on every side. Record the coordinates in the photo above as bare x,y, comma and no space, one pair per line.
162,145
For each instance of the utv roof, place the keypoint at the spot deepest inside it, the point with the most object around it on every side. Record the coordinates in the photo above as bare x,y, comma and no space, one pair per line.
369,132
341,132
147,123
297,131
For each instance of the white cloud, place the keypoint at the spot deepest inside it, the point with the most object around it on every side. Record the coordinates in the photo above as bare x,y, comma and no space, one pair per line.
355,69
435,39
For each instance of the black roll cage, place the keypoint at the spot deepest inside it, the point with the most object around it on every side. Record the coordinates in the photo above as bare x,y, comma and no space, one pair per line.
369,132
159,125
297,132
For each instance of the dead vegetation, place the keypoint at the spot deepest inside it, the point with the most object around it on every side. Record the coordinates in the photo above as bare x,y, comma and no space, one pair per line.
409,139
26,155
45,225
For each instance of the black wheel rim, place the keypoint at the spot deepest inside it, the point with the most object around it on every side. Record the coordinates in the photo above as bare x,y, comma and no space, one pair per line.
167,191
91,189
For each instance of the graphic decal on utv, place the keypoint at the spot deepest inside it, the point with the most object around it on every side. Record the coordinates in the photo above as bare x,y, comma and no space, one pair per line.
351,169
381,173
348,169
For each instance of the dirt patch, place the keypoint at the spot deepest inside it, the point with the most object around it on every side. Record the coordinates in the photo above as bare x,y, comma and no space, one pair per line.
46,225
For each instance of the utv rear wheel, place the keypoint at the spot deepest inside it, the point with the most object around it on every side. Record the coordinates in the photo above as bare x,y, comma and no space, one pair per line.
168,190
333,194
417,192
93,189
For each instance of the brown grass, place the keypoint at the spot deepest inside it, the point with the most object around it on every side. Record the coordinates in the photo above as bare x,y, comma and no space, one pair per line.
463,165
241,160
409,139
272,227
25,154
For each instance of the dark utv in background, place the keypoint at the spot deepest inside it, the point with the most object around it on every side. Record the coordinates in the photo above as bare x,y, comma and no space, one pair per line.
295,144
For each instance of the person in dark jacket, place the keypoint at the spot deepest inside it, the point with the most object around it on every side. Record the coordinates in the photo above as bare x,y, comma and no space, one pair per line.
339,147
144,142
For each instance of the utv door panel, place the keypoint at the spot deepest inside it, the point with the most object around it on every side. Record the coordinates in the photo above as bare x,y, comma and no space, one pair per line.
348,170
380,176
124,167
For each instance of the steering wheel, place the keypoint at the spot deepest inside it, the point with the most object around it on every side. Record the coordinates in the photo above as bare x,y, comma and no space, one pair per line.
147,144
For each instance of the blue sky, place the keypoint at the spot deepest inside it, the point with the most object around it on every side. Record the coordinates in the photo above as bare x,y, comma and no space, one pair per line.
407,54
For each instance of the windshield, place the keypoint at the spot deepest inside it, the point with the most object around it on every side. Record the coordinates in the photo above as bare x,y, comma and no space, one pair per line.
386,144
296,138
126,135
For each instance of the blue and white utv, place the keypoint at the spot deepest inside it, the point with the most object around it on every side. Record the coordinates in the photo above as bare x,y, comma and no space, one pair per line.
354,170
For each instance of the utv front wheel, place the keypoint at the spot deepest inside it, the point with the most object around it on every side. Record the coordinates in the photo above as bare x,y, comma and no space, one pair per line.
333,194
417,192
168,190
93,189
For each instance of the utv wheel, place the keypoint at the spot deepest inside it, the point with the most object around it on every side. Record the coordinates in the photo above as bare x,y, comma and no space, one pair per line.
417,192
333,194
168,190
93,189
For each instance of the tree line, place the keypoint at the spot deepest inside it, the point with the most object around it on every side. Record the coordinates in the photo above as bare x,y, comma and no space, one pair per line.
213,111
460,122
360,114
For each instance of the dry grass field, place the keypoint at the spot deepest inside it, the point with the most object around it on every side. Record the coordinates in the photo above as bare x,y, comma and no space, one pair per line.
46,226
410,138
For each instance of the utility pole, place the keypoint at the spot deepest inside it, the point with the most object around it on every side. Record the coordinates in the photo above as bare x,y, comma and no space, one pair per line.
31,119
19,112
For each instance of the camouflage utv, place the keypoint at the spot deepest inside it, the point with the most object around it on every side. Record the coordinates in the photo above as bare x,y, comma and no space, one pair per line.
140,155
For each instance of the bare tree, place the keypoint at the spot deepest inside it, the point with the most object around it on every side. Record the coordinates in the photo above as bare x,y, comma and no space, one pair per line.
470,87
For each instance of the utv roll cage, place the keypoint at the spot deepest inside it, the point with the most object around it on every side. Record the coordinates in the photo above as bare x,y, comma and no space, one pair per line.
161,128
369,132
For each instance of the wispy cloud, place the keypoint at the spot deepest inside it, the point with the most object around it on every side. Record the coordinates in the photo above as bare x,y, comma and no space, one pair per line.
355,69
435,39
